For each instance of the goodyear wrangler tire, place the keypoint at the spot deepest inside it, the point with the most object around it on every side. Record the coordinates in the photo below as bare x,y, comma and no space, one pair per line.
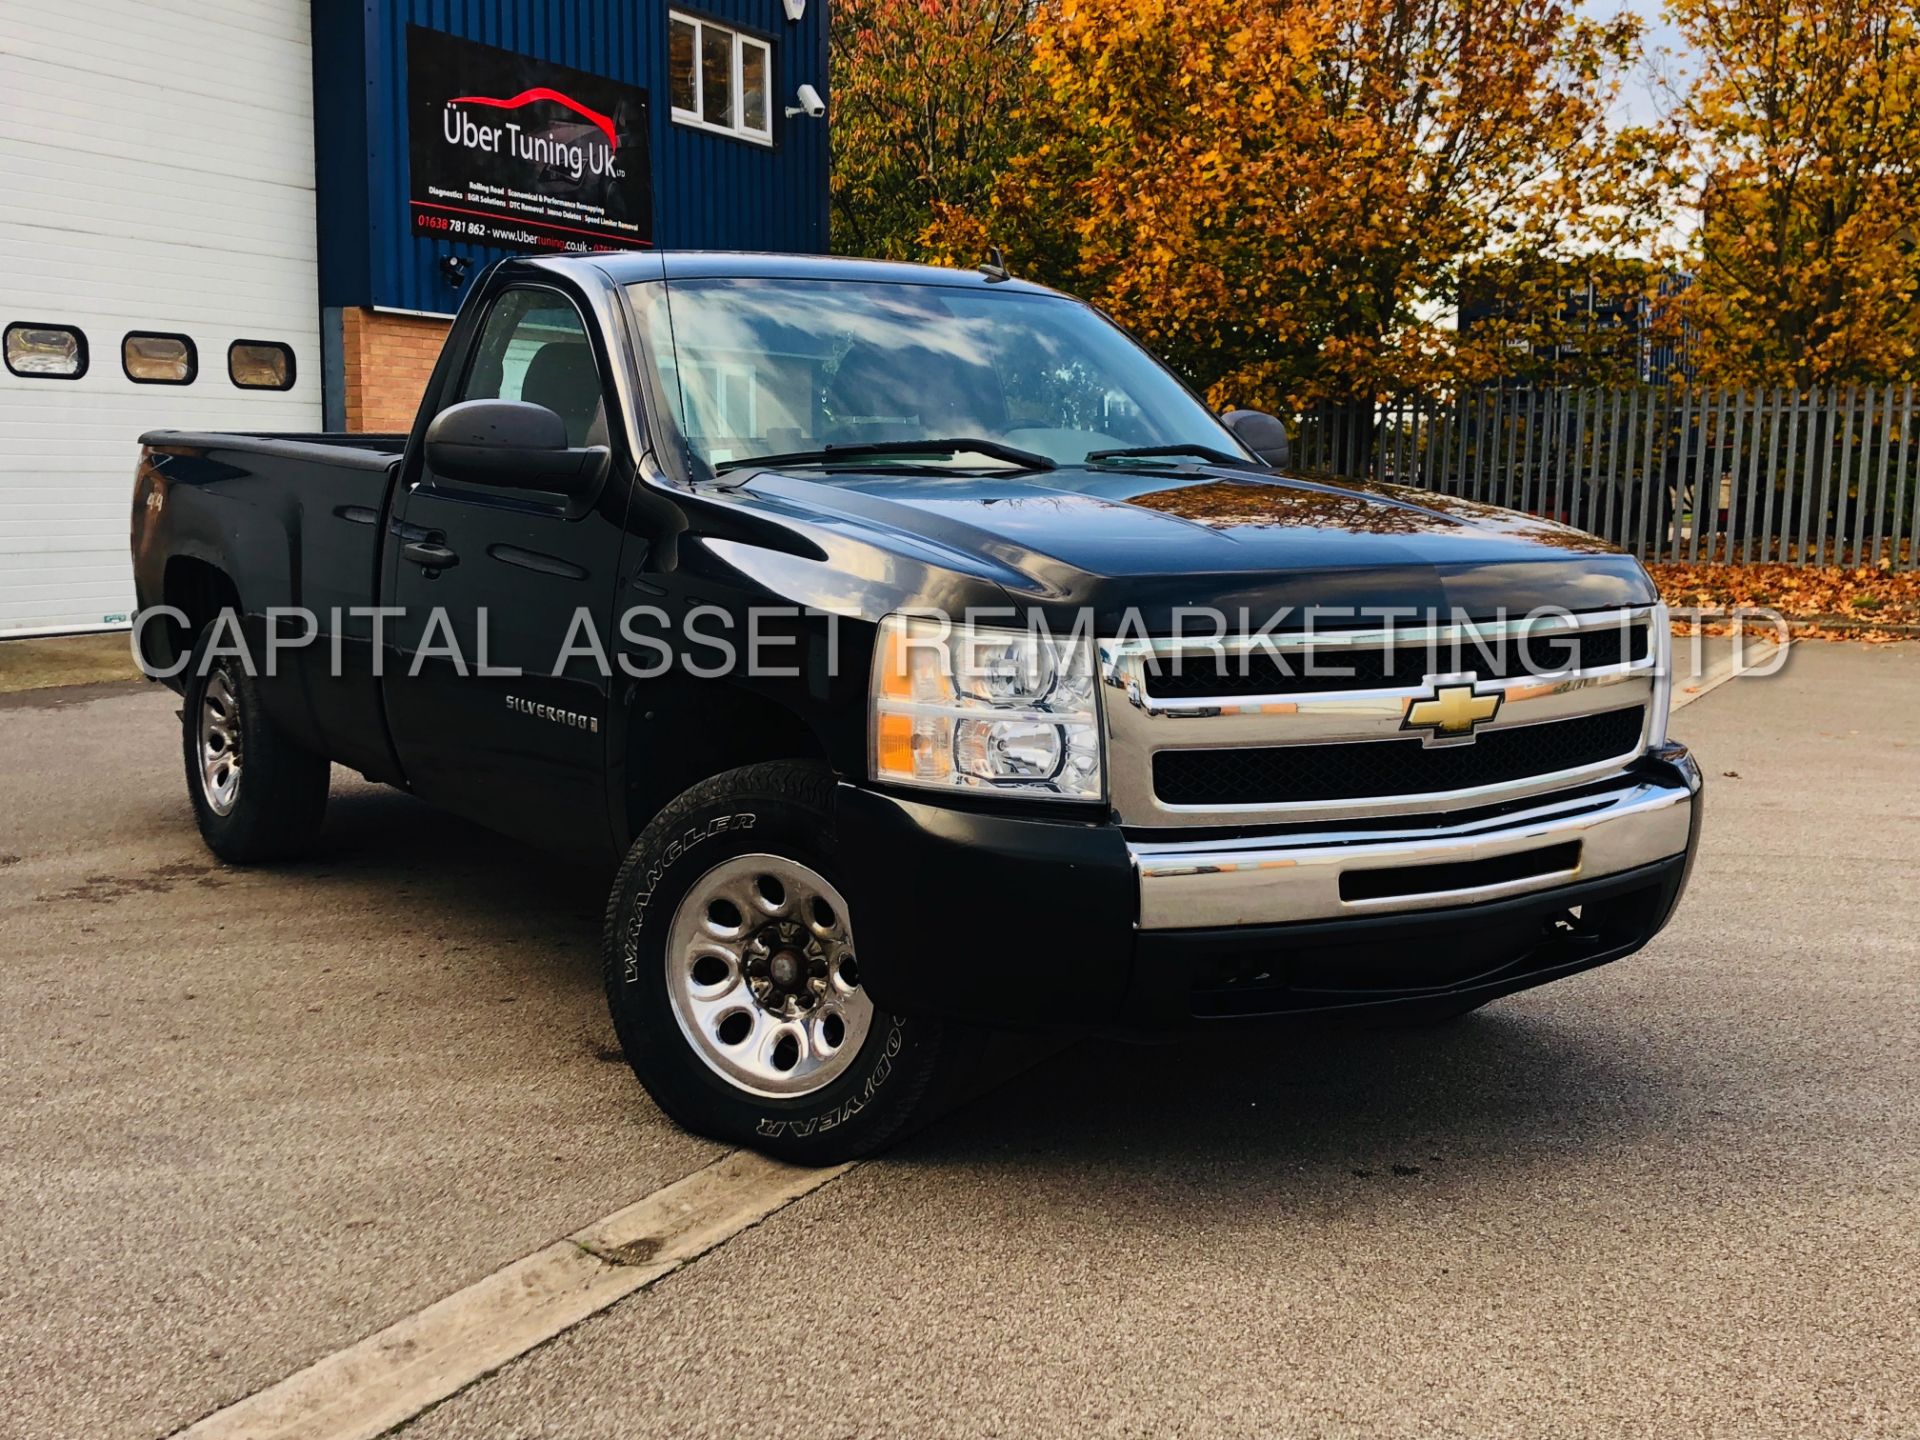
733,978
256,795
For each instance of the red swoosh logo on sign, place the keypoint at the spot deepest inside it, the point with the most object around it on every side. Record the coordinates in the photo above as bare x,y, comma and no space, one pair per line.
541,92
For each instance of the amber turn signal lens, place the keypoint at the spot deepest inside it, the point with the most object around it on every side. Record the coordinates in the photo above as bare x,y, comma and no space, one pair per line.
894,748
895,681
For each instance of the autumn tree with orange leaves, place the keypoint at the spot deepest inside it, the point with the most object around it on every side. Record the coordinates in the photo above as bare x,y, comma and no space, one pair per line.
1805,117
1282,197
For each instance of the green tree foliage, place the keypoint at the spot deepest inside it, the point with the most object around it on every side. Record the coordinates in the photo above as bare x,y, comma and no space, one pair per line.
928,102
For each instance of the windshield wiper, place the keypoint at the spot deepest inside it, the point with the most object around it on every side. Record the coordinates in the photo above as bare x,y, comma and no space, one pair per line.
832,454
1145,452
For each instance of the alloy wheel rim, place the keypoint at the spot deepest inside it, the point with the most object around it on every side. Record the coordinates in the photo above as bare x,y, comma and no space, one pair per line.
220,760
763,979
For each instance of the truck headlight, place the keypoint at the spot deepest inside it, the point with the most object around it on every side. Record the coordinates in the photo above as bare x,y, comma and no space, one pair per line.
958,707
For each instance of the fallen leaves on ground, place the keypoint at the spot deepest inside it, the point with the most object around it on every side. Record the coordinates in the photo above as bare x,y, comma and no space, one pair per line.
1826,602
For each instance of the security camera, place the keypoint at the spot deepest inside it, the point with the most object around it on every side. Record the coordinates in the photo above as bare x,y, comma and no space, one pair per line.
810,105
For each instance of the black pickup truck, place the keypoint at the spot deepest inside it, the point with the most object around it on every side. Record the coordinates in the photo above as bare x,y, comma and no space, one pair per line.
836,598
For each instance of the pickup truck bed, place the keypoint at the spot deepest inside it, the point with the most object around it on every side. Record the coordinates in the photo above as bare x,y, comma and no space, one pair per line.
307,535
364,445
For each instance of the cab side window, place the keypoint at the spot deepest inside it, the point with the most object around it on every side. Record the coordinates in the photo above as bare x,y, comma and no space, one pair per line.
534,347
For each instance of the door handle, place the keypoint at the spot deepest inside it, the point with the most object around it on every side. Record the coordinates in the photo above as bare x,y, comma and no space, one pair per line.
429,555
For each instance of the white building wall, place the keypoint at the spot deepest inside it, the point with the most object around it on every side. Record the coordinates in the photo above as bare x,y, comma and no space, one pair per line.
156,173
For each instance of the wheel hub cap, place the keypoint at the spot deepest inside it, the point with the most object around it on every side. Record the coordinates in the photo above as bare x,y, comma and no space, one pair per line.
787,968
219,748
762,978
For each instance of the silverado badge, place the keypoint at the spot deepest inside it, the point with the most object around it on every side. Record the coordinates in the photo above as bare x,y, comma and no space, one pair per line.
1450,713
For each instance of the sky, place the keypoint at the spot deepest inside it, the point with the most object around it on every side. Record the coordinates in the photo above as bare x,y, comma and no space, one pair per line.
1643,98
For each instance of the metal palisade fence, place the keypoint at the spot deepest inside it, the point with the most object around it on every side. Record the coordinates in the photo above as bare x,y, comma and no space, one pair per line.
1830,476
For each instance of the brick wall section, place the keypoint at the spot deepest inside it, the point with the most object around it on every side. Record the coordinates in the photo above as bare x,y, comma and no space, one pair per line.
386,361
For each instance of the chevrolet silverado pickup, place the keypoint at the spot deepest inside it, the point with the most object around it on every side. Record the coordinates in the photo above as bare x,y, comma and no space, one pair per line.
927,658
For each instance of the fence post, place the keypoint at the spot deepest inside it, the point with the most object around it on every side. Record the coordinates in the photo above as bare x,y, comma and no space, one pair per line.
1542,476
1620,506
1486,448
1417,440
1645,490
1480,442
1913,518
1429,434
1759,497
1525,479
1392,467
1582,458
1833,520
1680,468
1473,439
1453,454
1400,439
1730,483
1700,470
1574,407
1381,421
1473,434
1819,439
1900,472
1785,478
1520,398
1880,477
1863,479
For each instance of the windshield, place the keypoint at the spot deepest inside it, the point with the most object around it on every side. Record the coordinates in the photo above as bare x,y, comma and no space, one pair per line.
756,368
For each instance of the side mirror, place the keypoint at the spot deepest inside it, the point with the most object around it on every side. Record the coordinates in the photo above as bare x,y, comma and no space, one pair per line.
512,445
1262,434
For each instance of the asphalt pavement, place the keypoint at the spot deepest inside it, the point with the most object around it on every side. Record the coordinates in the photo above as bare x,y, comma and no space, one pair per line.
254,1116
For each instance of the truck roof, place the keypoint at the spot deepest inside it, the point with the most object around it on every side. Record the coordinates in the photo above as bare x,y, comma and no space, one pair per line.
627,267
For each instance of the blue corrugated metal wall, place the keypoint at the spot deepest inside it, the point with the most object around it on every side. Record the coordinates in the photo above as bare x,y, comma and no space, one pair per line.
709,191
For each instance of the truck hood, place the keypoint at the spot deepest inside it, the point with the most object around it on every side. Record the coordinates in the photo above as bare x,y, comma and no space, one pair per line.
1152,540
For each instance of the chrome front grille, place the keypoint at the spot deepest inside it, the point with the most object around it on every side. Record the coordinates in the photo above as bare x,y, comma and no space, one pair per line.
1292,774
1363,667
1314,725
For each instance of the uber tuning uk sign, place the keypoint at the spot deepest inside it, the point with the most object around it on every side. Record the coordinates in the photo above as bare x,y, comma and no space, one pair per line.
522,154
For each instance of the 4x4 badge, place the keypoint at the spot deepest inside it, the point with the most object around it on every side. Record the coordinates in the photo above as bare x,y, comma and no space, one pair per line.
1451,712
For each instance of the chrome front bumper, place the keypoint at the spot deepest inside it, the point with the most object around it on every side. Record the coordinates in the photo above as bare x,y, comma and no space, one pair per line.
1266,880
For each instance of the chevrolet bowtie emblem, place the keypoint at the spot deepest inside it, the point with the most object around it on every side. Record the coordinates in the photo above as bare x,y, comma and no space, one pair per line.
1451,712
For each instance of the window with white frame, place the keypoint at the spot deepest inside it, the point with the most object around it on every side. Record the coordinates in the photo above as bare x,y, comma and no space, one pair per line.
719,79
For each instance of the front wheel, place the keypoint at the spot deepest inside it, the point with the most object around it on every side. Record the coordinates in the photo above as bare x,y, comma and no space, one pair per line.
733,976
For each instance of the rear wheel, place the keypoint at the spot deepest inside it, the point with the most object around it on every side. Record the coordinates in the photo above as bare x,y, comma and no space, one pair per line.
256,795
734,983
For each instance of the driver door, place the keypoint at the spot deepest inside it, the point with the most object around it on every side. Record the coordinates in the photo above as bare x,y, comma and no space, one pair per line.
495,577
